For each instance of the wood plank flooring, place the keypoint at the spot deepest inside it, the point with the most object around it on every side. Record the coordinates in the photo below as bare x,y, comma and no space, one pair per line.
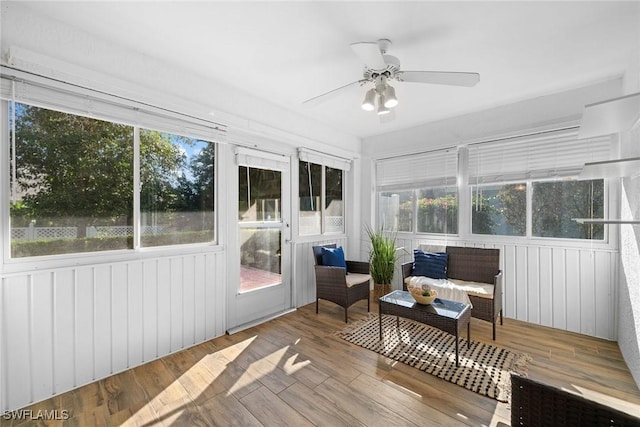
292,371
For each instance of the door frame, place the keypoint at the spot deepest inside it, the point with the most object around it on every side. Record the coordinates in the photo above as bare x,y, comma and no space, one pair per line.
245,309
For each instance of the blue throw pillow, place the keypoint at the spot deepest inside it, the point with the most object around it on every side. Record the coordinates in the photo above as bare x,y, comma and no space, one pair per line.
333,257
430,264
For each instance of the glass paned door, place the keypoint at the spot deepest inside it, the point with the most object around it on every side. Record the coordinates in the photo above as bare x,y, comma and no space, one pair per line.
259,271
260,227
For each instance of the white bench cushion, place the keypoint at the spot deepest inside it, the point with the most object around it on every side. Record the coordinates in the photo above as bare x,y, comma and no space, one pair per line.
356,278
454,289
445,288
478,289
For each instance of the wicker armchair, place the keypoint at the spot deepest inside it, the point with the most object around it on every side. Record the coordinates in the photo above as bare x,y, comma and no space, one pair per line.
335,285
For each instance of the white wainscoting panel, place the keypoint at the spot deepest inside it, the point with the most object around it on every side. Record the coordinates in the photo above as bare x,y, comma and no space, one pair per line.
63,328
561,287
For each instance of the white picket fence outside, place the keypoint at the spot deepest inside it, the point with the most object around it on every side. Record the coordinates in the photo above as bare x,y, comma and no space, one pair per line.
334,224
309,223
36,233
123,230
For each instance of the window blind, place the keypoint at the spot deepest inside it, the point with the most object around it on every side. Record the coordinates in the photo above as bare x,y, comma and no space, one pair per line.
324,159
428,169
544,155
261,159
68,98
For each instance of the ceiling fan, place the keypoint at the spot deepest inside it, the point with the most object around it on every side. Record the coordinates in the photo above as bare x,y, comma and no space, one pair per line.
380,68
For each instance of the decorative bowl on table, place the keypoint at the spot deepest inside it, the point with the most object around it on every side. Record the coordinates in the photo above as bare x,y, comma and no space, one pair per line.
423,297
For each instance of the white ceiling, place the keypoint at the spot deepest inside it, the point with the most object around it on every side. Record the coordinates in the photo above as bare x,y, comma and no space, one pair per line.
287,52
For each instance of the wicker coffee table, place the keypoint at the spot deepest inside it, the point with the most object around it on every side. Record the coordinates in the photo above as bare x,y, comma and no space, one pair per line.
448,316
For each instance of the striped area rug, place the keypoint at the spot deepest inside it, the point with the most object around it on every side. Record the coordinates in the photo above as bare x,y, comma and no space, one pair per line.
484,368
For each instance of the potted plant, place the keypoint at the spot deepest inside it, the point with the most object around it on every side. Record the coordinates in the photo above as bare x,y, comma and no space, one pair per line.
382,260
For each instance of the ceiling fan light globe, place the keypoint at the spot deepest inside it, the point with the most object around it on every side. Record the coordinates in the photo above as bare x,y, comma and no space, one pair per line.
368,107
369,103
382,109
391,103
390,99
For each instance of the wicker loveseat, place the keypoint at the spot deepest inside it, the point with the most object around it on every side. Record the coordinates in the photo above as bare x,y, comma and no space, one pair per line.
477,271
537,404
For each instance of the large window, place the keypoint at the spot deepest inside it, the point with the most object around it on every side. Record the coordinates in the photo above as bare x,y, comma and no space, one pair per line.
418,193
555,205
72,185
528,186
502,209
437,210
499,209
522,187
397,210
333,201
321,199
177,189
310,189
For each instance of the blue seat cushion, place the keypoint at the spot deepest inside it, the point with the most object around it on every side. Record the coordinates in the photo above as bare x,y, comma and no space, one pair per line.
334,257
430,264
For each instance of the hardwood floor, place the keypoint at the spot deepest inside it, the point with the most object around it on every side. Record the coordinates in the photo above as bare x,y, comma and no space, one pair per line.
294,371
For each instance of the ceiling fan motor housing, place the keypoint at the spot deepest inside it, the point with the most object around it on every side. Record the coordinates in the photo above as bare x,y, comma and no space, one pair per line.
392,68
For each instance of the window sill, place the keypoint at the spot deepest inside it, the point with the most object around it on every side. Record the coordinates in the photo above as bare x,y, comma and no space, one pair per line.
605,221
26,264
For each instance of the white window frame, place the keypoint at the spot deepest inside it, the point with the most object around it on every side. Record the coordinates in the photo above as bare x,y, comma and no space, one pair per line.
324,161
528,236
567,163
407,173
58,96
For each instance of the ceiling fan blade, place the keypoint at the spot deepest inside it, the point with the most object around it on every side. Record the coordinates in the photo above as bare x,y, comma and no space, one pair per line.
451,78
369,53
316,100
